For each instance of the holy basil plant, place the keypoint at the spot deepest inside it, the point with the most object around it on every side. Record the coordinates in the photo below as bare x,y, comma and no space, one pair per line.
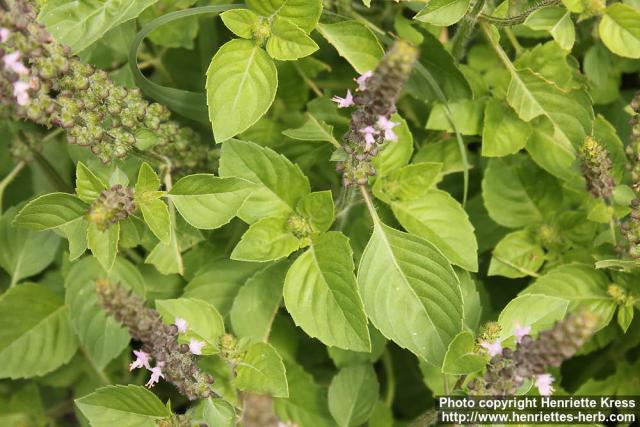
314,213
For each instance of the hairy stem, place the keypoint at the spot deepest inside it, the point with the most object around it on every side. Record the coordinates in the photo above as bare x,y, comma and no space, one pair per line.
9,179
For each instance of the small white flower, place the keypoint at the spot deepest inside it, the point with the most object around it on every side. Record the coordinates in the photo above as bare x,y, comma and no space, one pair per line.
543,382
345,102
12,62
195,346
362,80
493,349
4,34
181,324
21,92
142,360
156,374
369,136
520,331
387,126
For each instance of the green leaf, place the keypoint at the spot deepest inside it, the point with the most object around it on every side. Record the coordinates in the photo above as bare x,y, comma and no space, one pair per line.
156,216
262,371
102,336
51,211
570,112
219,413
176,34
80,24
76,233
557,21
535,310
352,395
342,358
307,402
258,301
503,132
279,184
321,294
407,183
266,240
24,253
304,13
88,185
318,209
516,255
396,154
36,336
410,292
443,12
204,321
465,114
619,30
441,220
354,42
625,317
124,406
552,157
241,86
148,181
312,130
104,244
207,201
581,286
289,42
167,257
461,359
241,22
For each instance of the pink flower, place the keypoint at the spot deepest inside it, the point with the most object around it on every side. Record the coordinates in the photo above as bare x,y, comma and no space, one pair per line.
4,34
520,331
345,102
195,346
142,360
21,92
369,136
493,349
387,126
181,324
156,374
362,80
543,382
12,62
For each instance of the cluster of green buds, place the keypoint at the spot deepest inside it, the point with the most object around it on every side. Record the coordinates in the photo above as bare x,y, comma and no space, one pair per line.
596,168
112,206
508,369
175,362
630,229
43,82
176,421
375,100
633,148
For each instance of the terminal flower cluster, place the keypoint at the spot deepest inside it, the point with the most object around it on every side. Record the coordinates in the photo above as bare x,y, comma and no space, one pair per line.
375,98
508,369
112,206
596,168
40,80
174,362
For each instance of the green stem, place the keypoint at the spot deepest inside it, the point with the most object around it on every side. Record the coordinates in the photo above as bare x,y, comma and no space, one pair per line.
99,372
496,46
9,179
51,172
514,40
516,267
390,376
445,380
369,202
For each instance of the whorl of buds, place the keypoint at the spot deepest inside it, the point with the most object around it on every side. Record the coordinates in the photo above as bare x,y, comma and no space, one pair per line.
112,206
375,100
633,149
507,371
159,340
40,80
176,421
596,168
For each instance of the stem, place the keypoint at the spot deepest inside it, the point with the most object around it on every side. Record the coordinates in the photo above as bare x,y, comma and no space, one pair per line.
465,30
445,381
496,46
101,374
9,179
514,41
51,172
369,201
612,228
308,81
516,267
390,377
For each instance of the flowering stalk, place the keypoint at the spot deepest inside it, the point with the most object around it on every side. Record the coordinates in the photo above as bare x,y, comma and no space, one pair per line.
596,168
173,362
40,80
375,100
630,228
112,206
508,369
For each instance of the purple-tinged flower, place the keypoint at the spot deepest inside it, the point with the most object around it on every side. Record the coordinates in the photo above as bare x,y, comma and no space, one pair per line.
369,136
493,349
142,360
181,324
387,126
520,331
4,34
21,92
12,62
345,102
156,374
195,346
543,382
362,80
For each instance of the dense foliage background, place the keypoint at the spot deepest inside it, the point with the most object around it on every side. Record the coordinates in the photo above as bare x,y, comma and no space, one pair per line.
197,196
